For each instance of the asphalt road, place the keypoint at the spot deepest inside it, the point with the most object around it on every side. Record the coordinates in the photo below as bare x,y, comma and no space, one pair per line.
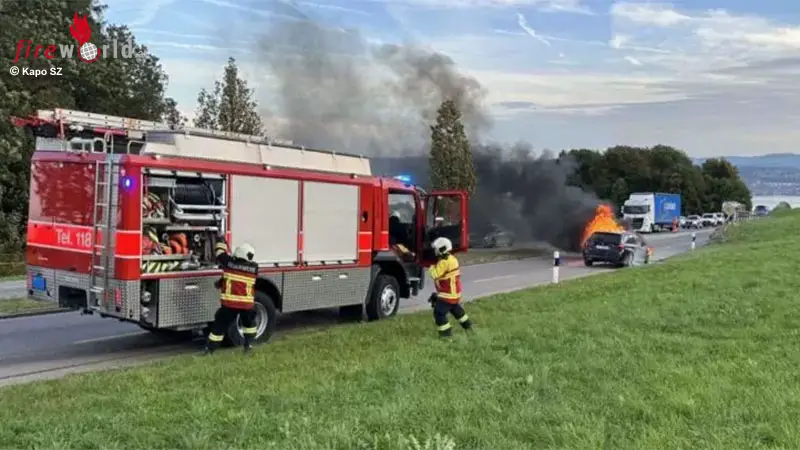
51,346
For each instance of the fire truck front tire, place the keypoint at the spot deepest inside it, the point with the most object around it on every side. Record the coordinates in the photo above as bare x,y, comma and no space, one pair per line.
384,300
266,319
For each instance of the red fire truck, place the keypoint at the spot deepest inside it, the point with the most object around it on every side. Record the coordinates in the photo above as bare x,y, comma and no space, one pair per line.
124,215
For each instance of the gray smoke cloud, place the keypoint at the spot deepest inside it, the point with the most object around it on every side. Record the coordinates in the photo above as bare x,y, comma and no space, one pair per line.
336,90
538,203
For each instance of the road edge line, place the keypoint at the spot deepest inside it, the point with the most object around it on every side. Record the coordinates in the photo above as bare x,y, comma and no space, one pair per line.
42,312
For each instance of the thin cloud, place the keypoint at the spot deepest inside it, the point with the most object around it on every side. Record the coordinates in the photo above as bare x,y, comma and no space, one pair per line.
530,31
325,6
633,60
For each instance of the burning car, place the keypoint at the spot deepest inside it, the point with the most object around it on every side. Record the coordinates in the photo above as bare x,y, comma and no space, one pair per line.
605,240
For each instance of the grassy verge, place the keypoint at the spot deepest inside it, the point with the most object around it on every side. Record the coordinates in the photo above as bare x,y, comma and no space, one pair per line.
699,352
12,269
12,277
483,256
16,306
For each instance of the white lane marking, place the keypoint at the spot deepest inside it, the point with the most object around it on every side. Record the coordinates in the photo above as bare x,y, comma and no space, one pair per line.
108,338
501,277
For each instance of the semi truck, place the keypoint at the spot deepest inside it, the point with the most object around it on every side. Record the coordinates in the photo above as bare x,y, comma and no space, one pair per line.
124,215
650,212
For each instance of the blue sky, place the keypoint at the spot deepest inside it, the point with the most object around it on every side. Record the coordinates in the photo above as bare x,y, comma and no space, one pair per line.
712,77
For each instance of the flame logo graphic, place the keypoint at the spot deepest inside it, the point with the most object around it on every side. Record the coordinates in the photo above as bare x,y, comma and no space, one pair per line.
80,29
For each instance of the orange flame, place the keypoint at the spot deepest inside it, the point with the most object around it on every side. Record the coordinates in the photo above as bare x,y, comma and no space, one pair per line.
603,221
80,29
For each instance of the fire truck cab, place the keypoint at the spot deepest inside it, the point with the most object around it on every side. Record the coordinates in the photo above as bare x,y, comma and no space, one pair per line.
124,215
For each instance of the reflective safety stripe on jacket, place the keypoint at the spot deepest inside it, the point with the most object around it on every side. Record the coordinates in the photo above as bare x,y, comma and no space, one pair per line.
237,286
237,289
446,276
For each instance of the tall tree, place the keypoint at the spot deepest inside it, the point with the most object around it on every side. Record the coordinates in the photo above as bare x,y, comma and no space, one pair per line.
451,162
723,184
172,116
131,87
230,106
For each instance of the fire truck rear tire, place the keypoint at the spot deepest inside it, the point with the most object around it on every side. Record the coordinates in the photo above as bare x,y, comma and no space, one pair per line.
264,307
384,300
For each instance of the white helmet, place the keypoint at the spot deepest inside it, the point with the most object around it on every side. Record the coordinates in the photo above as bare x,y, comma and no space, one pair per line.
442,246
245,251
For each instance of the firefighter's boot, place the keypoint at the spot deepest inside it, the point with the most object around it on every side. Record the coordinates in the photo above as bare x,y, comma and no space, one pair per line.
248,345
212,342
465,323
209,348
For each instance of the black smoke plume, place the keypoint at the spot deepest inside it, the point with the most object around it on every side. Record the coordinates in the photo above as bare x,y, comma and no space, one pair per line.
336,90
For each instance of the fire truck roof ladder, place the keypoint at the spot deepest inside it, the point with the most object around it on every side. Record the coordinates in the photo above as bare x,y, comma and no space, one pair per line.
189,142
220,146
92,120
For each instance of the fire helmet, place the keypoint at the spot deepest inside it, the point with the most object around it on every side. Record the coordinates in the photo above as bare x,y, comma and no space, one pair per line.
442,246
245,251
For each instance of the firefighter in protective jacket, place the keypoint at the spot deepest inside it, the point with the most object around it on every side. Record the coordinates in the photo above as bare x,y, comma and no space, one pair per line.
446,275
237,294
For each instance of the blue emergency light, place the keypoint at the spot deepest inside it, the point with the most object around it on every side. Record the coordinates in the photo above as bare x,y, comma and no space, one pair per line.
127,183
404,178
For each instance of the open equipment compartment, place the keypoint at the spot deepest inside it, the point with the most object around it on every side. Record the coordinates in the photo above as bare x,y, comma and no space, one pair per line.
182,215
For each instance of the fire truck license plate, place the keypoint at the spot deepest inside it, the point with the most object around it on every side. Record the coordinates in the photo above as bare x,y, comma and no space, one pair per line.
602,247
39,283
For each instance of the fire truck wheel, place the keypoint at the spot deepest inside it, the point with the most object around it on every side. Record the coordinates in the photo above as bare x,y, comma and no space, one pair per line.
385,298
266,316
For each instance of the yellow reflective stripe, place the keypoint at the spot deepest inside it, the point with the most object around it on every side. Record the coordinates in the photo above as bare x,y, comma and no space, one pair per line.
242,278
444,327
447,295
449,274
215,337
236,298
221,248
250,330
463,319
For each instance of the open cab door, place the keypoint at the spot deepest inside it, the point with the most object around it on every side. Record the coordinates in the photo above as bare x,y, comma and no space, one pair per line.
445,216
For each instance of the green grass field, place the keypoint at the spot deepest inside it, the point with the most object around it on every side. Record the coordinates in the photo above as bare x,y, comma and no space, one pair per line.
699,352
11,307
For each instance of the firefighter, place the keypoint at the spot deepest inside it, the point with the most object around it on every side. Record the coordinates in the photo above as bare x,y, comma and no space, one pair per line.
446,276
398,238
237,294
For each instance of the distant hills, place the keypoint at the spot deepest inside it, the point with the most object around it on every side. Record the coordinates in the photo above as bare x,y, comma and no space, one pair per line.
771,174
773,160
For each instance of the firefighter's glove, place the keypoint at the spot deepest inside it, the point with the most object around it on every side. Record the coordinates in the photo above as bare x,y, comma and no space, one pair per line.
433,299
218,283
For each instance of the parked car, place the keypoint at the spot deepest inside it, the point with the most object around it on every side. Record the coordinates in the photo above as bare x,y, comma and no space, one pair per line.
682,222
620,249
694,221
721,219
498,237
760,211
709,220
475,240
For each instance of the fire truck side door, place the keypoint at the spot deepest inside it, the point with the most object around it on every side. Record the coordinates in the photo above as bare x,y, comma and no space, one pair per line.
445,216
